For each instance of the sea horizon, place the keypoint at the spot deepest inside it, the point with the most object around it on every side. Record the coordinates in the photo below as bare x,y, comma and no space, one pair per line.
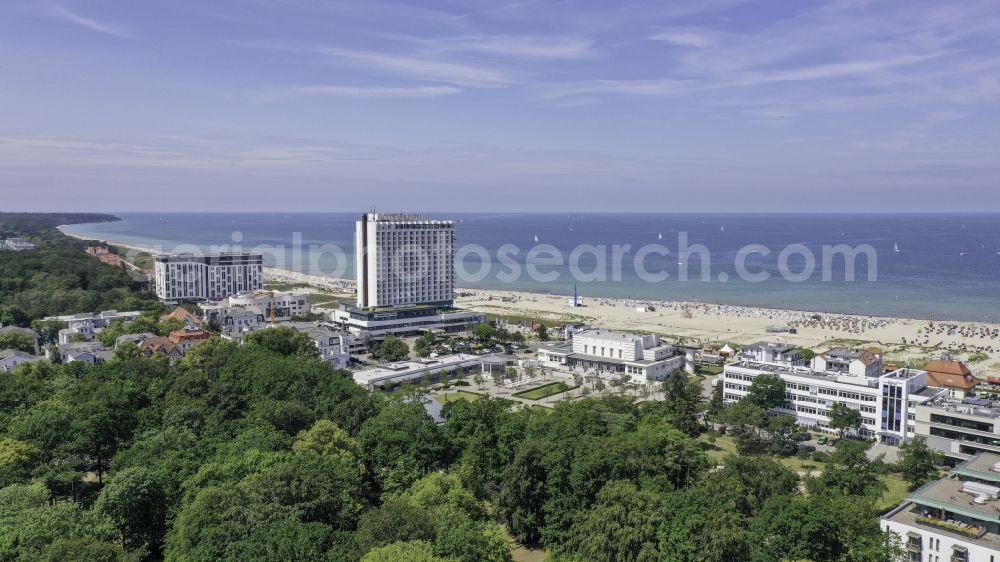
929,266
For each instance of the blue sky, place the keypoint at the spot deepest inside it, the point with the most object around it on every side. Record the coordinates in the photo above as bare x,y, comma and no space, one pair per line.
714,105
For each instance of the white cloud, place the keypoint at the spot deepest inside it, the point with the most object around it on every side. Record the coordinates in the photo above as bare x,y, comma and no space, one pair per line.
423,68
514,46
359,92
685,37
64,14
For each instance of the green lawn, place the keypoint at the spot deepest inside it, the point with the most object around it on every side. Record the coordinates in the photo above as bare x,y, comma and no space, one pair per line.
456,395
544,391
708,369
897,492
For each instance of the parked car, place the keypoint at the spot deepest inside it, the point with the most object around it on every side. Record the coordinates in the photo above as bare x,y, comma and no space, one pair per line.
806,448
823,440
804,436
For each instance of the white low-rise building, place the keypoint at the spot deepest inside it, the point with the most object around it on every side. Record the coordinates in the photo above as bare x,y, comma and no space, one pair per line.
87,352
237,323
11,358
89,325
854,362
274,305
390,375
641,356
954,519
780,353
19,244
332,342
887,402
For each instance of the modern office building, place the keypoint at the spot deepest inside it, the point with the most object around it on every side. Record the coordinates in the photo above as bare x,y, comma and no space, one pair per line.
191,277
780,353
887,402
954,519
404,260
641,356
959,427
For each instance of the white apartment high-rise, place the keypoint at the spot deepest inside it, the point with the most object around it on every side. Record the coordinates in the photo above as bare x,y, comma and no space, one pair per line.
191,277
404,260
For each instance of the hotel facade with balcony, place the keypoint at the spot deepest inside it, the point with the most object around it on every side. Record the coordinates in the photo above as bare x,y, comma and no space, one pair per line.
954,519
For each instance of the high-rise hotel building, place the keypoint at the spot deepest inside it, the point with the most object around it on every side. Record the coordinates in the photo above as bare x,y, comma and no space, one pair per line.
406,277
196,277
404,260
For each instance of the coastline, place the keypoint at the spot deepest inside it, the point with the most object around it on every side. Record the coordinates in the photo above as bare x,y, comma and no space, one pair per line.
905,338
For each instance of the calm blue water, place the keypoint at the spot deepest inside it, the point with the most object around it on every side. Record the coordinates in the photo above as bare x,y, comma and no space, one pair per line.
927,278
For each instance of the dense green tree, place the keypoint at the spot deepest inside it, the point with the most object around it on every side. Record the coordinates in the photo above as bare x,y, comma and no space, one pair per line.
523,493
543,332
717,404
392,349
20,342
283,341
622,525
766,391
483,332
850,472
918,463
821,528
681,397
411,551
17,460
395,520
33,528
401,444
464,540
843,417
135,503
423,345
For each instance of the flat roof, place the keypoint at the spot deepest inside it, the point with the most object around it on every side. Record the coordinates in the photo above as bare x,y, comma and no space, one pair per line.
781,347
980,467
404,369
947,494
989,409
826,376
608,335
908,512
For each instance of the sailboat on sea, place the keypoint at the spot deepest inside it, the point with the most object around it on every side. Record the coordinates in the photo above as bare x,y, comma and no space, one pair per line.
536,238
895,247
660,237
722,228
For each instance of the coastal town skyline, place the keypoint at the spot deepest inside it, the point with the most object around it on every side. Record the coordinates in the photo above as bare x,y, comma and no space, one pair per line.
512,106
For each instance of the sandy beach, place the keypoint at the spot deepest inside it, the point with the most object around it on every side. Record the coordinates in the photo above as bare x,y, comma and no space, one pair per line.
903,339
